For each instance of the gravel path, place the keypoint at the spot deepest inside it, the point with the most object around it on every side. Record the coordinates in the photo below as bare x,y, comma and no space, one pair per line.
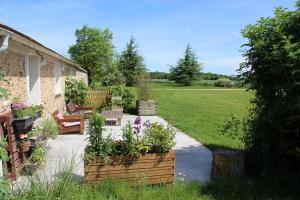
193,160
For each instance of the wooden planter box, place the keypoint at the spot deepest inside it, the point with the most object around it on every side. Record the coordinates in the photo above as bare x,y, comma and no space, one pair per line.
147,169
146,107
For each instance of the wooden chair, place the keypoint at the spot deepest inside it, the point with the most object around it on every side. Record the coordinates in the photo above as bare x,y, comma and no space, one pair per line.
69,123
74,109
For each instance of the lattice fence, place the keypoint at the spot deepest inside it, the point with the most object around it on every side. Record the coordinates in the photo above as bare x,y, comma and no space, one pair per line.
98,98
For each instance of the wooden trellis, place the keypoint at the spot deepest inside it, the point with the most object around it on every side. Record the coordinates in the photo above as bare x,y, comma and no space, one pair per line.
98,98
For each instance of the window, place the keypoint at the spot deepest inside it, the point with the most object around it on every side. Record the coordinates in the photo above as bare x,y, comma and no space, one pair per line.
57,79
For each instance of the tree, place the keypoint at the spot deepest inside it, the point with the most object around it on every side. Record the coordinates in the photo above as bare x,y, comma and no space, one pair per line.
272,70
130,63
187,68
93,51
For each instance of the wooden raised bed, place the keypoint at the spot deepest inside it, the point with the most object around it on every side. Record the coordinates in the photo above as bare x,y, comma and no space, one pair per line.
146,107
147,169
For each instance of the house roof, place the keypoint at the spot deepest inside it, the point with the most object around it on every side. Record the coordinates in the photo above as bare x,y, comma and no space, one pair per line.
28,41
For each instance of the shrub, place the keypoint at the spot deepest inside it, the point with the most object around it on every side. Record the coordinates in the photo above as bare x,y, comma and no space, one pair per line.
224,82
272,69
160,139
75,91
45,127
126,94
97,144
39,154
3,151
113,78
144,89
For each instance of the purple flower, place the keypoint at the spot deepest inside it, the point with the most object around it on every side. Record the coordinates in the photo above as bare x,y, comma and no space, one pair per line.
137,127
137,120
147,124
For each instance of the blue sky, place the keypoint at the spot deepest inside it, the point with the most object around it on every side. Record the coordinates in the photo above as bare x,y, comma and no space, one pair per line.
162,28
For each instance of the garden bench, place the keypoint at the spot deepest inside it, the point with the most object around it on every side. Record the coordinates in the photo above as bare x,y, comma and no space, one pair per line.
69,123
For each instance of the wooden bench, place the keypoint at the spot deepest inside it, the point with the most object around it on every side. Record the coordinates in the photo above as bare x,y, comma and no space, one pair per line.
112,117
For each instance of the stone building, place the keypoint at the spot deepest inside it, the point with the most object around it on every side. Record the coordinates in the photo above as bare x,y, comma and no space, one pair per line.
35,73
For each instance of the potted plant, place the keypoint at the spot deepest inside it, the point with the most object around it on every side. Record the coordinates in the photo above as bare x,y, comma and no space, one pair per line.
25,116
145,104
3,153
136,159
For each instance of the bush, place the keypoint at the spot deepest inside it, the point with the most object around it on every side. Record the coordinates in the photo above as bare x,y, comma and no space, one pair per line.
224,82
126,94
75,91
39,154
144,89
45,127
160,139
272,70
113,78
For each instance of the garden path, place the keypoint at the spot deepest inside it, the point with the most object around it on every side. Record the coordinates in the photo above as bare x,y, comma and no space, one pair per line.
193,160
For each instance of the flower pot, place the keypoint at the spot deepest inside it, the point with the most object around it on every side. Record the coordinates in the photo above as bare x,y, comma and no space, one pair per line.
24,146
145,108
23,124
152,168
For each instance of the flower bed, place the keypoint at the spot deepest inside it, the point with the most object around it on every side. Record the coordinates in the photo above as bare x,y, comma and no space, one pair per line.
136,159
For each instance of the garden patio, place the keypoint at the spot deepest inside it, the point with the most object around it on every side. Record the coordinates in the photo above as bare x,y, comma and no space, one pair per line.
193,160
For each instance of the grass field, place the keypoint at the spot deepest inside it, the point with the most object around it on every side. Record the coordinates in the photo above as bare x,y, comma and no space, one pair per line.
202,113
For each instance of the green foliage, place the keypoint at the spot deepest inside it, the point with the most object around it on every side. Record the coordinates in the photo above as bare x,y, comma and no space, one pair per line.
187,68
4,188
3,151
161,139
130,63
272,69
39,154
75,91
126,94
27,112
129,141
64,187
158,75
113,78
144,89
98,145
233,128
93,51
46,128
223,82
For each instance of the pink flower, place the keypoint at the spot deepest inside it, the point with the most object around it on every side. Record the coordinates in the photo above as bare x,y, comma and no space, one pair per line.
22,136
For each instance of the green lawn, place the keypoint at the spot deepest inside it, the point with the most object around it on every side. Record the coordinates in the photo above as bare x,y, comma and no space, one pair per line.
202,113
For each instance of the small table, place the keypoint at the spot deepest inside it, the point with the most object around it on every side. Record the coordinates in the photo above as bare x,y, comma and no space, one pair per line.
112,117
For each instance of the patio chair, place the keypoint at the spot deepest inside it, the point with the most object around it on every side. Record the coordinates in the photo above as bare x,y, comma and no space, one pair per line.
69,123
74,109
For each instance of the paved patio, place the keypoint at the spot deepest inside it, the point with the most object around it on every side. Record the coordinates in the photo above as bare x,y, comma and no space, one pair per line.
193,160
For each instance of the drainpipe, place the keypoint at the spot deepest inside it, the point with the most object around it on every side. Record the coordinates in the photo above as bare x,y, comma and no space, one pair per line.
4,42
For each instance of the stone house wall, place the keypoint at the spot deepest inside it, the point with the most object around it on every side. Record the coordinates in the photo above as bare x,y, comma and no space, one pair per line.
12,62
